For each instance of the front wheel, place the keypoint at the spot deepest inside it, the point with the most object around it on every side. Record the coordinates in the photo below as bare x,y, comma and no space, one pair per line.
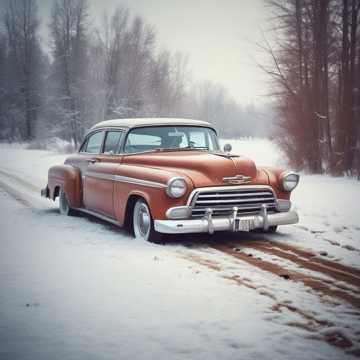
143,224
270,230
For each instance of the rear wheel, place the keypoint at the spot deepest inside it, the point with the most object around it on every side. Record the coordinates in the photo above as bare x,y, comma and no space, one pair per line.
143,224
64,206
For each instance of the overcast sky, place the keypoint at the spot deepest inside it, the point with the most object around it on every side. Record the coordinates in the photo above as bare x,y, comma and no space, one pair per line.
218,35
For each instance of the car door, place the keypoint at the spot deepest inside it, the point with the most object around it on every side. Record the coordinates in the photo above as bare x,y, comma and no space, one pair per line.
100,175
89,151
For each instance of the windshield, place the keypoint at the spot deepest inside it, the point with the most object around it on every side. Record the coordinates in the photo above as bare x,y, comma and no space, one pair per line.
171,138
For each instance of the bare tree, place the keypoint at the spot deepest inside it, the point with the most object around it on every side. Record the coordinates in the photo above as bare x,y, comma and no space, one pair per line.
69,38
24,61
315,71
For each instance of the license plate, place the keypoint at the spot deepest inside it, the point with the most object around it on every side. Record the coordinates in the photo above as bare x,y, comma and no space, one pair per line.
243,225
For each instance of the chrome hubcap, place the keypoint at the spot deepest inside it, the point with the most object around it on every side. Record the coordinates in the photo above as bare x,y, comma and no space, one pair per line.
143,221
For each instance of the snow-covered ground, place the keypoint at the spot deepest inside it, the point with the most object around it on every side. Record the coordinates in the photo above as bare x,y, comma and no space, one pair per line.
76,288
329,207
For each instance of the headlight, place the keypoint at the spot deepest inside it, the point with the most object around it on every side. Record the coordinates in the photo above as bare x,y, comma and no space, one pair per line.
289,181
176,187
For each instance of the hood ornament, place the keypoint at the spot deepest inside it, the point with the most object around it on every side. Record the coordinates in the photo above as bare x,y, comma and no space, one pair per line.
238,179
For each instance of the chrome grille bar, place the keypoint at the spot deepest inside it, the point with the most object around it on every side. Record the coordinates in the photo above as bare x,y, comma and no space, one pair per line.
235,194
237,200
247,198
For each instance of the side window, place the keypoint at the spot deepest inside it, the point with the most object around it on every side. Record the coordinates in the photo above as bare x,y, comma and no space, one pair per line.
112,141
94,142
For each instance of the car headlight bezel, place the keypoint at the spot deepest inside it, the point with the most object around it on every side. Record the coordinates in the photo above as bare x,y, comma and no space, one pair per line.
289,180
176,187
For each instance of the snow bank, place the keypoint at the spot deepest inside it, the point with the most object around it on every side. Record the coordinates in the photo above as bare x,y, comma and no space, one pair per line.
263,151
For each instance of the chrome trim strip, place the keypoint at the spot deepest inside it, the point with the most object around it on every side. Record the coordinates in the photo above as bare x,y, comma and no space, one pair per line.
141,182
99,175
126,179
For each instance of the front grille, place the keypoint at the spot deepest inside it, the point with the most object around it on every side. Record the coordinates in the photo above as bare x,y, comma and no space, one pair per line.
247,199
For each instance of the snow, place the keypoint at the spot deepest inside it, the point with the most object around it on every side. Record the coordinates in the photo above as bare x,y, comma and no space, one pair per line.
78,288
263,151
328,207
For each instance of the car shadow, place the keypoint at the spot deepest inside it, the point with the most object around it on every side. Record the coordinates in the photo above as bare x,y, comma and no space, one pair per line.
200,240
206,240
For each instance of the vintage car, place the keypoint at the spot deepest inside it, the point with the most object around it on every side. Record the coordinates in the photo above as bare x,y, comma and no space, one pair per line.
168,176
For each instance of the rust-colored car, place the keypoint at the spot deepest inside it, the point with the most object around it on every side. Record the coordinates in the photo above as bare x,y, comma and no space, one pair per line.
168,176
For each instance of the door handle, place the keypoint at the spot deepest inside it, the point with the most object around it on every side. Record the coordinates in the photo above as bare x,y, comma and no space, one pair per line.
93,161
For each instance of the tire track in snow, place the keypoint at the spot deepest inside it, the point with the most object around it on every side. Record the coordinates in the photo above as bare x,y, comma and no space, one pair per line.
313,257
320,329
20,180
308,261
316,284
16,195
22,191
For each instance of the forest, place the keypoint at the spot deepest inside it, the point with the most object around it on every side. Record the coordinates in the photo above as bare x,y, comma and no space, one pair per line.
91,73
314,64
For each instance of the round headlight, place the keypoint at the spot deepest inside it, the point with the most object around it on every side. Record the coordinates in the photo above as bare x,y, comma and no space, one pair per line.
289,181
176,187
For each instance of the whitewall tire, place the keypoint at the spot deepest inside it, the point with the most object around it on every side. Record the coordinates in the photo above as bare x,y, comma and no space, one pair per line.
143,224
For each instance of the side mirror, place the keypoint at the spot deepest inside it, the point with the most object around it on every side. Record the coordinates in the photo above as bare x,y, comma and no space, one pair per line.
227,148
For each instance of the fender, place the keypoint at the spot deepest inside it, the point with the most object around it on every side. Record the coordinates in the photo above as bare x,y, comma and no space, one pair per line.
156,197
69,178
274,181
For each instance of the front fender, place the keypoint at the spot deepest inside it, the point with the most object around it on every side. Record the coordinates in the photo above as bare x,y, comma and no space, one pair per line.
155,196
274,181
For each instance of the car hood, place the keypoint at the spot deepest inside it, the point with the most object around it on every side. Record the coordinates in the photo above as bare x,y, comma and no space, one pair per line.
203,169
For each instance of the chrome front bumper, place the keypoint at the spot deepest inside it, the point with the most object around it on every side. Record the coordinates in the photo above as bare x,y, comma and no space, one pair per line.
208,224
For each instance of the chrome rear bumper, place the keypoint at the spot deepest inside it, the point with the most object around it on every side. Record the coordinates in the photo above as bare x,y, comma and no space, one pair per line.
208,224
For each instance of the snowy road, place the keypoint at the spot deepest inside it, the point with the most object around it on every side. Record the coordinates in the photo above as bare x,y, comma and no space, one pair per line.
77,288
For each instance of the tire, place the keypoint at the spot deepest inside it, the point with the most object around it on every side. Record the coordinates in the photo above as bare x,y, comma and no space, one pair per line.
64,206
143,224
270,230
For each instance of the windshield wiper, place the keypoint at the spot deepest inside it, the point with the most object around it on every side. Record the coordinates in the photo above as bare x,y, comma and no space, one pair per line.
186,148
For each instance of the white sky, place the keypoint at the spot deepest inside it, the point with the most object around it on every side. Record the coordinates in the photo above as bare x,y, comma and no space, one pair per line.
219,37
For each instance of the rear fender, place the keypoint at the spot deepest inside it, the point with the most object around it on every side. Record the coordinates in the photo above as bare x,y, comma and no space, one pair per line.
68,178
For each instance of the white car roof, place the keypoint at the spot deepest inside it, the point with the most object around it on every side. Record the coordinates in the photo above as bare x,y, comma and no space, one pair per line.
140,122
